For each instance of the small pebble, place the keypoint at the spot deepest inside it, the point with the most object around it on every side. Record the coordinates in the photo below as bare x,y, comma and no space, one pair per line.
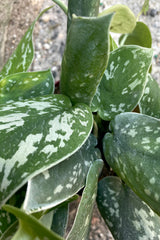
153,12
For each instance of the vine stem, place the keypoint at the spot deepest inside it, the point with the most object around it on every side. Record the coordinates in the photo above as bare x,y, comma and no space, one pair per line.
61,5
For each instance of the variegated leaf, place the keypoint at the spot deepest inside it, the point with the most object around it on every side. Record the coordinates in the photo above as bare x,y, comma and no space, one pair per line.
21,86
132,149
29,227
85,57
150,102
22,57
61,182
123,82
36,135
81,224
126,215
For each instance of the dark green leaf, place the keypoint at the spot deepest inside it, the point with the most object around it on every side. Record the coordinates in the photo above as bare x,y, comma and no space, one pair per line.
10,231
123,20
126,215
65,179
6,220
85,57
21,86
123,82
36,135
150,102
30,228
83,217
132,149
83,8
60,218
140,36
22,57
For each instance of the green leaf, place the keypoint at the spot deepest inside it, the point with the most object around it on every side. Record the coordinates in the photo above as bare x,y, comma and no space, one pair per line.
20,86
6,220
123,20
65,179
123,82
83,217
22,57
150,102
36,135
126,215
60,219
46,219
132,150
113,45
30,228
140,36
10,231
85,57
83,8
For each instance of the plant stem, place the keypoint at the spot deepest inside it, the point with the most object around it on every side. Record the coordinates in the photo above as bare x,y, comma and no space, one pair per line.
61,5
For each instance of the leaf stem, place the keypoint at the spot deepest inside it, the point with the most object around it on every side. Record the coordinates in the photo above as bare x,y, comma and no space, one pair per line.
61,5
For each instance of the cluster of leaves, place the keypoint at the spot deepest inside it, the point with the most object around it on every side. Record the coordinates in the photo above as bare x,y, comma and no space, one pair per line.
53,145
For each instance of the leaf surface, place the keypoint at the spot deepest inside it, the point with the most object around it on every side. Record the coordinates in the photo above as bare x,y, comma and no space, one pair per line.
123,82
22,57
124,20
150,102
82,8
6,220
132,149
30,228
36,135
126,215
85,57
60,218
140,36
83,217
10,231
65,179
21,86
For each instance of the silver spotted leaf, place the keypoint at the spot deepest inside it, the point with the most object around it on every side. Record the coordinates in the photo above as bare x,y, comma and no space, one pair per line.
36,135
123,82
85,57
22,57
81,224
62,181
132,149
29,227
150,102
21,86
126,215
